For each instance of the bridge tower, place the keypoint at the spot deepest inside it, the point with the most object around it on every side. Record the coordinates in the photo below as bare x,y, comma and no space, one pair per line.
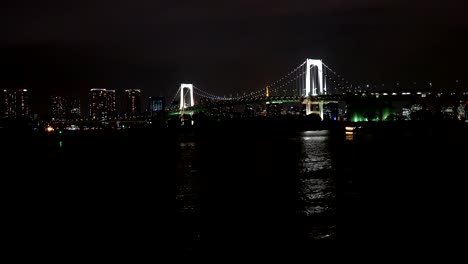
311,85
188,86
312,80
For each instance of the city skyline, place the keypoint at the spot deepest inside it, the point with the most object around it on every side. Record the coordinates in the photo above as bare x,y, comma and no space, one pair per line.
222,129
61,106
53,47
43,107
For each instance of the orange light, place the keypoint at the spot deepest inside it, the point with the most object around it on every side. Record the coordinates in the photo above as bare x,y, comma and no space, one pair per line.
349,128
50,129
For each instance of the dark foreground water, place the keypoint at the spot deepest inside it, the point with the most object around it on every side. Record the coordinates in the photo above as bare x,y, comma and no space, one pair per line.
238,191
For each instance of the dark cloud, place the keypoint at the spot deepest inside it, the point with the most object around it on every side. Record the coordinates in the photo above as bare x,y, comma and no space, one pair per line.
225,46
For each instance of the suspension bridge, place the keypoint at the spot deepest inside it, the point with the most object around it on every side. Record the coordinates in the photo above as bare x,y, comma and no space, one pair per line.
312,83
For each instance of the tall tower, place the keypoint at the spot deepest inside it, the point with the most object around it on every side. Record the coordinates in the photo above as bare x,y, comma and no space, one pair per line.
102,104
74,108
16,103
183,104
311,89
58,107
133,103
65,108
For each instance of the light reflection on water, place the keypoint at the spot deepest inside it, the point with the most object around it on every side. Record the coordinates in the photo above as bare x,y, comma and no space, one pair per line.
316,155
317,191
187,191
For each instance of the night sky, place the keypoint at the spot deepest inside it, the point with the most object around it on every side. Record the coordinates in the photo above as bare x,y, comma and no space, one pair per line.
68,47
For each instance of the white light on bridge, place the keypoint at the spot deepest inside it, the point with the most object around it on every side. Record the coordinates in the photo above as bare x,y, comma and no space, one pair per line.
309,86
182,97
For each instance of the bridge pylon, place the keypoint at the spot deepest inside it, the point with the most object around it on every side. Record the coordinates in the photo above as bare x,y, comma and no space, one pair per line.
188,86
311,89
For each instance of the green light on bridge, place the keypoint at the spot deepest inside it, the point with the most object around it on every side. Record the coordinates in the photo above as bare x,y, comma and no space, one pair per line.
358,118
385,113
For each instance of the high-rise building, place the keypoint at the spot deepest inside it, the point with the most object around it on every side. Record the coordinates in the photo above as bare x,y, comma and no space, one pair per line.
133,103
16,103
8,101
102,104
74,108
65,108
156,104
58,107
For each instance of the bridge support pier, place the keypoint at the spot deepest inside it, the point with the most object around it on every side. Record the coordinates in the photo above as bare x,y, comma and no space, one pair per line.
315,107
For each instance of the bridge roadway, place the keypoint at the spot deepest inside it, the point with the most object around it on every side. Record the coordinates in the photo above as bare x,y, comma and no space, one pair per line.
321,99
262,99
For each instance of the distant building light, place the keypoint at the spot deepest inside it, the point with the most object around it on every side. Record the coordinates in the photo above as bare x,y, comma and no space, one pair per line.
25,90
